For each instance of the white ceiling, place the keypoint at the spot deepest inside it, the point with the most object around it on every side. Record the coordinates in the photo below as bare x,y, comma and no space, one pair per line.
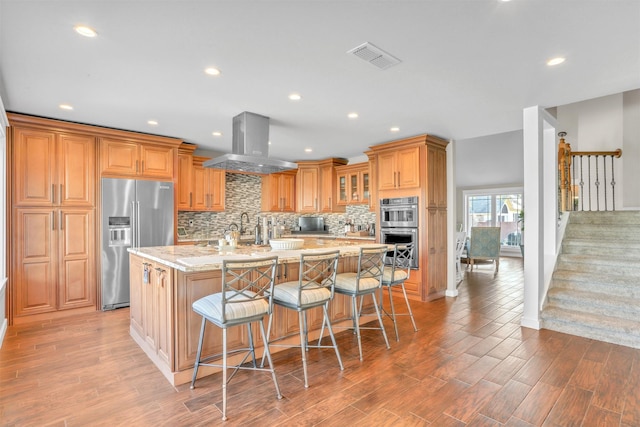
468,67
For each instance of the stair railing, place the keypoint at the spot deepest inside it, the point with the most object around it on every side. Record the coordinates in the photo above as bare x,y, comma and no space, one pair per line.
586,178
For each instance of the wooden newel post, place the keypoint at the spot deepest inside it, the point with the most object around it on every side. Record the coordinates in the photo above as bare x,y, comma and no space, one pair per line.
564,174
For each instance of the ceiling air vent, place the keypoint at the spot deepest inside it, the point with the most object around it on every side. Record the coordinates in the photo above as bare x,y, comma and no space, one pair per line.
374,55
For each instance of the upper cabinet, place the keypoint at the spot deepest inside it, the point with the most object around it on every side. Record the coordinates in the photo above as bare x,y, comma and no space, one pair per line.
399,168
184,185
279,192
316,186
208,187
53,168
131,159
354,184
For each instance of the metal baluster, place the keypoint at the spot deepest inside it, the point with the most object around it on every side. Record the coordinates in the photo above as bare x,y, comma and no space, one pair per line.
581,186
574,205
604,172
597,184
589,178
613,185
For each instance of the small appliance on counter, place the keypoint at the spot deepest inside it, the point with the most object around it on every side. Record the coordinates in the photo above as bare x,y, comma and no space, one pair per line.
310,225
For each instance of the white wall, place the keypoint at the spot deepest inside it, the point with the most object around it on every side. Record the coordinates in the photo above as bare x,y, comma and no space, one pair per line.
494,161
606,124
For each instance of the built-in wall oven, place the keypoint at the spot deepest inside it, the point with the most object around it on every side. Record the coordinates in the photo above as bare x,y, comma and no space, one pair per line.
399,223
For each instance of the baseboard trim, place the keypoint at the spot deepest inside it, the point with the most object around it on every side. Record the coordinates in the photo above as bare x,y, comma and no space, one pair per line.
530,323
3,331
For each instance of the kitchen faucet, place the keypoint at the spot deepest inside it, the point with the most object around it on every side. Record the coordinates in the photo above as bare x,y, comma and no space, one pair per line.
242,215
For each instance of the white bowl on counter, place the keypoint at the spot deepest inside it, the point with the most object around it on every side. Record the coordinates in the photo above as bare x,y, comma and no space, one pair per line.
288,244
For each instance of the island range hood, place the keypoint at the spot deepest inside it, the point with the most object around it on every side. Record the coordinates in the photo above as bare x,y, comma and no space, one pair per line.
250,149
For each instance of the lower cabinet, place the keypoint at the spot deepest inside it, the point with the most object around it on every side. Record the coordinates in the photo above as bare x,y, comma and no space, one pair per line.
151,287
54,260
164,325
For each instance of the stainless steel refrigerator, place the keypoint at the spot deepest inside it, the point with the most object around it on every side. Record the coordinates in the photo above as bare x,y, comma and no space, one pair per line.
135,213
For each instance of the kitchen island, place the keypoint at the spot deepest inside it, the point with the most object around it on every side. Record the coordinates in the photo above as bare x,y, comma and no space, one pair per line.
166,280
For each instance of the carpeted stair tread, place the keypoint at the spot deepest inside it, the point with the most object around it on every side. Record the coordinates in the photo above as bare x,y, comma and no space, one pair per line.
595,302
599,283
595,326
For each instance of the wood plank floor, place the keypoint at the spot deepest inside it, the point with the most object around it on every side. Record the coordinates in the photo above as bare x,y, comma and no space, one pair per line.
470,364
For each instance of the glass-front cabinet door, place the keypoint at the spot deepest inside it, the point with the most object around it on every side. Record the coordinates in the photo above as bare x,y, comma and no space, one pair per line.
366,194
342,190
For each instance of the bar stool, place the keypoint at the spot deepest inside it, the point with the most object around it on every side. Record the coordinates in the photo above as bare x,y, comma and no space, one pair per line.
397,270
246,297
366,281
314,288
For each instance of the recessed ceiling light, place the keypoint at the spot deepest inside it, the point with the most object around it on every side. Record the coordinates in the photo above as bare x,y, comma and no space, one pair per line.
152,122
65,107
83,30
394,129
352,115
308,150
212,71
269,142
217,133
295,97
555,61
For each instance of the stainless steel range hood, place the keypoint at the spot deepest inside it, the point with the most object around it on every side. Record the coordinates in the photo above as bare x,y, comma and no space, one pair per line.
250,149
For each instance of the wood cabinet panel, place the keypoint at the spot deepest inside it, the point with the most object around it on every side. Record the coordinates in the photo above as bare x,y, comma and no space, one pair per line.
119,157
130,158
76,285
208,189
136,310
399,169
157,161
279,192
308,188
76,170
35,281
34,156
184,193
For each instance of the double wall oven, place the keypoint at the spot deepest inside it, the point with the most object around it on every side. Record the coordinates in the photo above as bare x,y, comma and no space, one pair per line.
399,223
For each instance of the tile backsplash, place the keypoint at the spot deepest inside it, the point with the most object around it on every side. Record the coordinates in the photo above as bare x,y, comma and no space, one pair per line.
243,194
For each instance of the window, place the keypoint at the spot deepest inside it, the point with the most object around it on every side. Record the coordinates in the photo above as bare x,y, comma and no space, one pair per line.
496,208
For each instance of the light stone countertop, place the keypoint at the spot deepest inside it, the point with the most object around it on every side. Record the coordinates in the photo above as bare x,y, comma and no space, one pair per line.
189,258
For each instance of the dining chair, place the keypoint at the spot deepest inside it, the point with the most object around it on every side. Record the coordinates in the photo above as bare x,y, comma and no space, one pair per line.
246,297
367,280
396,271
314,288
461,241
484,245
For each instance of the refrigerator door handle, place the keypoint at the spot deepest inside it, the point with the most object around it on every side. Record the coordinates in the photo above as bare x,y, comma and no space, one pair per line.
134,229
138,224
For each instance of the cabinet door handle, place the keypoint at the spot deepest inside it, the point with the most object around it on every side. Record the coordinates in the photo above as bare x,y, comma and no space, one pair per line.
61,220
398,178
142,169
61,192
53,193
136,166
53,220
190,199
316,203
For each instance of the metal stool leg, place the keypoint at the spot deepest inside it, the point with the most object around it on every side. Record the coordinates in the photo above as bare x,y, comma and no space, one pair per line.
268,354
303,348
356,323
333,338
404,291
375,305
224,374
393,313
268,337
197,364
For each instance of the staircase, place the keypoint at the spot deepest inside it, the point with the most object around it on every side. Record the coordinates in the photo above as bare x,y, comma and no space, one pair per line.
595,290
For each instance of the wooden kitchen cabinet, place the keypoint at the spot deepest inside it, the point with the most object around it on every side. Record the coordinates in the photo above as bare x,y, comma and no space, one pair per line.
399,168
53,168
54,260
208,187
354,184
133,159
278,192
184,187
151,287
316,186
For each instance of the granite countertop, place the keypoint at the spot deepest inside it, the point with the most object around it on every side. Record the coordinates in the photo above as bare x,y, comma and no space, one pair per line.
188,258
